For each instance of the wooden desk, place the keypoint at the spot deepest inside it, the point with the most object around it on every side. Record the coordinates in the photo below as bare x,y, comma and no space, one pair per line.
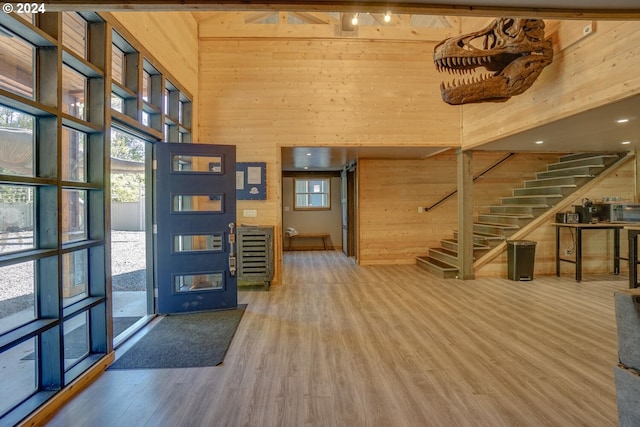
633,231
323,236
578,229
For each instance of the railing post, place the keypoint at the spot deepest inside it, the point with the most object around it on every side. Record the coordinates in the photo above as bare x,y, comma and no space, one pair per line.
465,214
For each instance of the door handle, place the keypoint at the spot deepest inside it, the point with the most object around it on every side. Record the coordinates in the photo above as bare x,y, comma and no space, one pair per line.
232,249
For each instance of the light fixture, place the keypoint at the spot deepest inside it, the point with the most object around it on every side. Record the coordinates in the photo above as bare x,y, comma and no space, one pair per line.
539,142
308,154
306,167
626,142
622,121
387,17
354,20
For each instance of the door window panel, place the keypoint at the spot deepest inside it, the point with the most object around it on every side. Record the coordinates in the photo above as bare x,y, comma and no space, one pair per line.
198,282
183,203
197,164
196,243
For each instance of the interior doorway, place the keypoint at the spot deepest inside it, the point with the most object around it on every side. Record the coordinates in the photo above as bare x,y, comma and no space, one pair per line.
131,260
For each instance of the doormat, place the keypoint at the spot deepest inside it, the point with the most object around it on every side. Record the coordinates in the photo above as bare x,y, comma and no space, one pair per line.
184,341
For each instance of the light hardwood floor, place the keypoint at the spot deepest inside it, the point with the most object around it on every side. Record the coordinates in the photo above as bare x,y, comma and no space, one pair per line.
338,344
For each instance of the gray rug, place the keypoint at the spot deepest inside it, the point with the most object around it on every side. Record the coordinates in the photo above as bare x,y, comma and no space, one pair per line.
184,341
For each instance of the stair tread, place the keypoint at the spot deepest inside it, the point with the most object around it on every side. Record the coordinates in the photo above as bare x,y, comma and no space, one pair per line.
583,158
444,251
559,177
475,245
507,215
524,196
522,205
548,186
497,225
573,167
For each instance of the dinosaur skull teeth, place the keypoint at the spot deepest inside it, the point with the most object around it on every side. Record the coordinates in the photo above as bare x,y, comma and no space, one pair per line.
452,63
466,81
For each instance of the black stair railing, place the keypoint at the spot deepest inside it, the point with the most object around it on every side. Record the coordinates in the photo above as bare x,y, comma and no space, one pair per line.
484,172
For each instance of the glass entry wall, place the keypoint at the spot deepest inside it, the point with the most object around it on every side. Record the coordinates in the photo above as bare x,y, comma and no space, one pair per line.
53,280
132,284
66,81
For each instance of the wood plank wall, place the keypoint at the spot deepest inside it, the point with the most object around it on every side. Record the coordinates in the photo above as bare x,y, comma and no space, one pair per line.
591,72
390,191
262,95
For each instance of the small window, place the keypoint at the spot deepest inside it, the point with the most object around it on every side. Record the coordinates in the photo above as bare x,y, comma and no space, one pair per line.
74,33
312,193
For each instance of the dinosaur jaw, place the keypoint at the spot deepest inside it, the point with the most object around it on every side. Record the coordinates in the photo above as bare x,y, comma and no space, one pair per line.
487,79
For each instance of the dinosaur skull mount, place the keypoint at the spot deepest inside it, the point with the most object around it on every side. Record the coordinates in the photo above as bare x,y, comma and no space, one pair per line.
512,51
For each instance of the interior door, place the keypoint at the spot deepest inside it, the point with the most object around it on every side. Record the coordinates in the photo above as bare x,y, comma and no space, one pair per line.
194,227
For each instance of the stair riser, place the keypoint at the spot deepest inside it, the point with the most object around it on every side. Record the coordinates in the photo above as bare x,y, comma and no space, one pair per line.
567,180
449,259
489,229
516,209
445,274
504,220
533,191
453,246
531,200
584,170
478,240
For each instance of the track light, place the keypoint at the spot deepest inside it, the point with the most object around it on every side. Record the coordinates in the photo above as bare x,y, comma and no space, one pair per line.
354,20
387,17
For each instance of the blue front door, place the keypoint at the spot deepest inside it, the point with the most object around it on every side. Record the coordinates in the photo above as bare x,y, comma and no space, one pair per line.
194,227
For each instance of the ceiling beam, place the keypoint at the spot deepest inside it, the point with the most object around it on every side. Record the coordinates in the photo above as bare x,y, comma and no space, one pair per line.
627,12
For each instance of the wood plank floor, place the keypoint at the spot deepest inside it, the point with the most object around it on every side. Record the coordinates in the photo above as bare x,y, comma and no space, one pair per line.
338,344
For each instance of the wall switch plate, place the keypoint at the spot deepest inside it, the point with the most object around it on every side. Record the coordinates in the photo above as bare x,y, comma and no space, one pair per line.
250,213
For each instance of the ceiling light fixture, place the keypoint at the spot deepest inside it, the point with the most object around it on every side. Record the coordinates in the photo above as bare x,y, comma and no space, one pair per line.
308,154
626,142
354,20
539,142
387,17
622,120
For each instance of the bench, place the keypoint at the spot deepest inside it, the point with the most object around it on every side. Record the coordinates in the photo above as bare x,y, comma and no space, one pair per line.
323,236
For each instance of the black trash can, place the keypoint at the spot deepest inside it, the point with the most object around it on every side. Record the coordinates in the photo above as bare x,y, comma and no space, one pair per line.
521,255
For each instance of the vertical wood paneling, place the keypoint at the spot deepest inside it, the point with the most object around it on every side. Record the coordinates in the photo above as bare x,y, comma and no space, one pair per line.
592,72
261,95
390,191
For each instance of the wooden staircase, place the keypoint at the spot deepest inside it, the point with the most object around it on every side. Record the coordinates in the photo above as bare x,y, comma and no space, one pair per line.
516,211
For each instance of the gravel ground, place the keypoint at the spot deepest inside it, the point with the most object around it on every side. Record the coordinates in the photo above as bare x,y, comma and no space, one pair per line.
127,266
